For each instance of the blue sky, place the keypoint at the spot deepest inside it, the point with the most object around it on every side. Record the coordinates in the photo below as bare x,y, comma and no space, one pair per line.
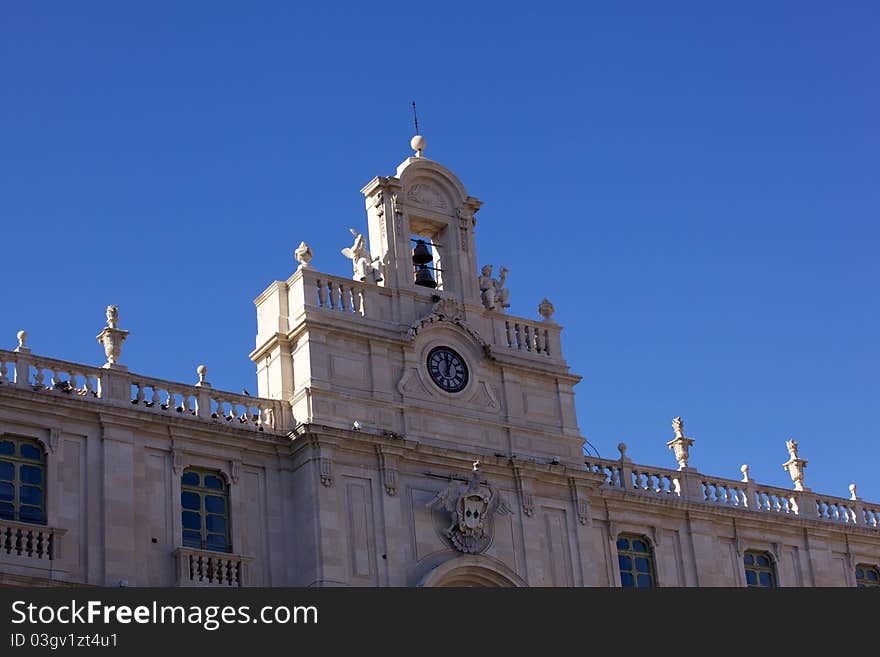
695,187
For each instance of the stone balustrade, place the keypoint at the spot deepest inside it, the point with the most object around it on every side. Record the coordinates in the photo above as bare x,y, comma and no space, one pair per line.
145,393
311,289
40,373
342,294
526,336
206,568
693,486
611,470
655,481
29,541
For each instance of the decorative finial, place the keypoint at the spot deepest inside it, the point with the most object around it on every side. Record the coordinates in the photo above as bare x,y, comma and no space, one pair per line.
22,348
678,427
745,470
476,466
621,447
680,444
112,338
852,492
418,144
546,309
795,465
303,255
112,316
202,371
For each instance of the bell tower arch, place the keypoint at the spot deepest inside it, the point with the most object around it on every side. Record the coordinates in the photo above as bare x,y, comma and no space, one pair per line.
424,201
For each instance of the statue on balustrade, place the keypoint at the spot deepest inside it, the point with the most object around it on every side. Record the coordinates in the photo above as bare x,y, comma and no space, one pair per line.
365,267
493,294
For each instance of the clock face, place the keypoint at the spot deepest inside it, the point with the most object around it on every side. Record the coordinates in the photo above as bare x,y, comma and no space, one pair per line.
447,369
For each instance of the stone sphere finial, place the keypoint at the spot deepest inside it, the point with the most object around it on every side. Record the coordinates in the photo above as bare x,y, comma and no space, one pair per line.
745,470
546,309
621,447
22,338
852,492
418,144
201,370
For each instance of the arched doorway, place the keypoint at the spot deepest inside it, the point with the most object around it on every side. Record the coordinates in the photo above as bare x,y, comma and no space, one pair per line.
472,570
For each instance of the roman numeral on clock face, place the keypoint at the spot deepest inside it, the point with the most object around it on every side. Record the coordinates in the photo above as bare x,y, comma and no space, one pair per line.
447,369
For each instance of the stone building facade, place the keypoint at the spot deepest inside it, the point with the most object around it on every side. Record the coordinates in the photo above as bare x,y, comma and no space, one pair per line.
408,432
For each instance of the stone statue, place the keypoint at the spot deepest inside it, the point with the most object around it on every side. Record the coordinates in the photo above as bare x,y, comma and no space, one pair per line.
364,266
112,316
492,291
792,446
303,255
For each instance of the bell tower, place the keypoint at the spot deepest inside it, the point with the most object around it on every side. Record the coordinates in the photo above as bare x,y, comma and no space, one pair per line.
417,343
421,227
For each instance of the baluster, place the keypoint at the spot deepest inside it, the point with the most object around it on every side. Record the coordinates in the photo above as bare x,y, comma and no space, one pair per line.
539,342
39,377
322,293
192,572
518,335
50,548
334,295
39,545
7,540
527,335
4,371
139,395
507,333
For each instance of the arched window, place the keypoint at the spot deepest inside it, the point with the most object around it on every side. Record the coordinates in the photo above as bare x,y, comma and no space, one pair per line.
760,570
204,502
867,576
636,562
22,480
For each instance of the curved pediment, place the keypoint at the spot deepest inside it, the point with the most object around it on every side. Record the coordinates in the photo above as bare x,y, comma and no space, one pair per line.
431,186
449,312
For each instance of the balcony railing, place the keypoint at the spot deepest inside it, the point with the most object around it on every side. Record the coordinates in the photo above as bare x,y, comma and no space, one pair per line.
204,568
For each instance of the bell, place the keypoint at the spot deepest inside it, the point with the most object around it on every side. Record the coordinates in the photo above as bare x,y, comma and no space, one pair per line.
421,254
424,277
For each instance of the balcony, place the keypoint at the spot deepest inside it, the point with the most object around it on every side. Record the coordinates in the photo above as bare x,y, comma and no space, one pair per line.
212,569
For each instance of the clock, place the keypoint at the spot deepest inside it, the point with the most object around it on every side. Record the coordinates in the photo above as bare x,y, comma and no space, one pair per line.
447,369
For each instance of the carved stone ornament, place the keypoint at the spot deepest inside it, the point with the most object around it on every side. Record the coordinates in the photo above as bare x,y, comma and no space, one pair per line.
303,255
447,310
795,465
681,444
546,310
366,268
472,512
112,337
493,294
425,195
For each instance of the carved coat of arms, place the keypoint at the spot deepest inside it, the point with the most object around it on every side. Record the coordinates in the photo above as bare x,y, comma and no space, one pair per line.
472,512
